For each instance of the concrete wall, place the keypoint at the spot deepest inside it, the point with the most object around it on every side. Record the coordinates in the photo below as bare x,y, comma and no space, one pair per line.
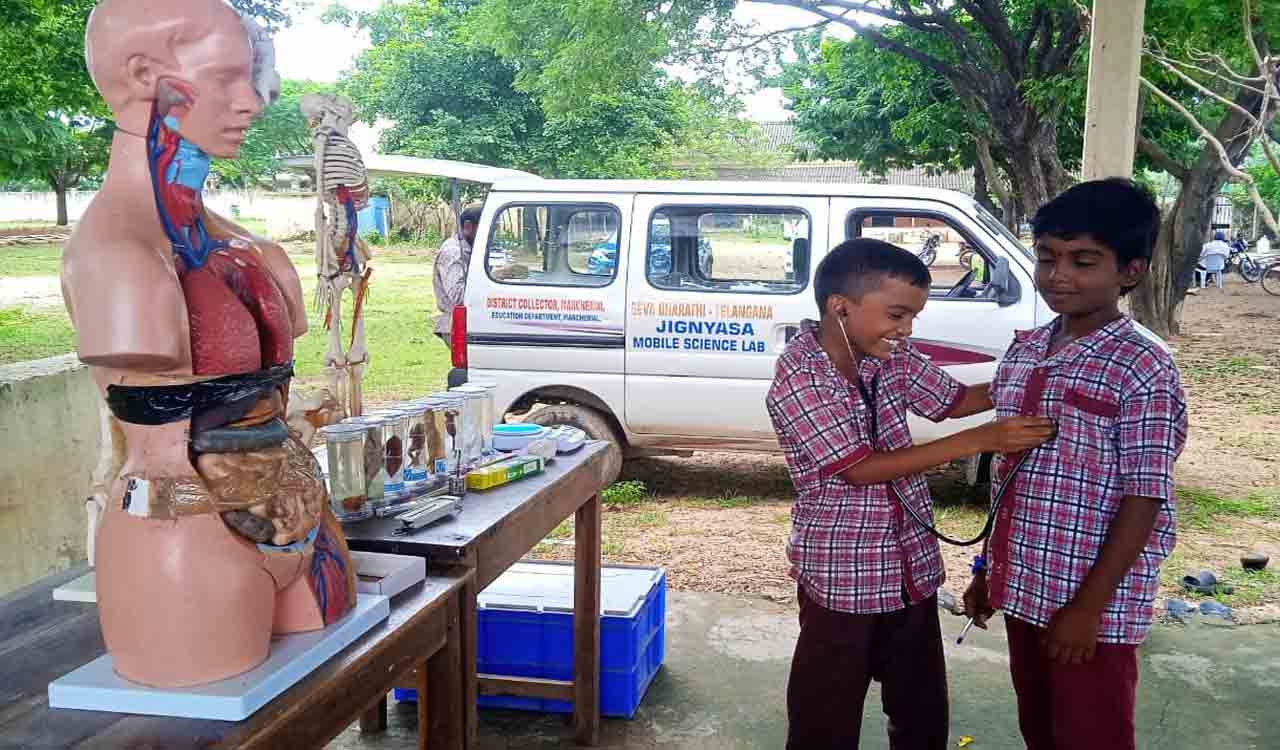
286,214
50,435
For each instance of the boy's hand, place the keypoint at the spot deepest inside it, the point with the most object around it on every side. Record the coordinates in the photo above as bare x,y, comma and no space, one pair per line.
1072,637
976,603
1015,434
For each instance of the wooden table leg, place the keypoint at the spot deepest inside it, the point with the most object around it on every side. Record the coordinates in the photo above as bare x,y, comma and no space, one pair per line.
441,710
586,624
375,719
469,684
424,711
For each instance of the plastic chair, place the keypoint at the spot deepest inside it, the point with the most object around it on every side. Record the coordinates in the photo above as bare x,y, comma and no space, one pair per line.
1211,265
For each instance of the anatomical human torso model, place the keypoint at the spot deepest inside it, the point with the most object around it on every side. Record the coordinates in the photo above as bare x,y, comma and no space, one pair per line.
216,532
342,190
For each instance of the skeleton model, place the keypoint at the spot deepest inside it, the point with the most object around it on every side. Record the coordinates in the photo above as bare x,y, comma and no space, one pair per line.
342,190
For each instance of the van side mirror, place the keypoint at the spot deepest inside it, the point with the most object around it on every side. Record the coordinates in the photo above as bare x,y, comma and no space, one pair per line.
1004,284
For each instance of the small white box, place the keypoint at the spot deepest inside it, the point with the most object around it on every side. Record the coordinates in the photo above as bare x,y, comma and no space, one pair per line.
388,575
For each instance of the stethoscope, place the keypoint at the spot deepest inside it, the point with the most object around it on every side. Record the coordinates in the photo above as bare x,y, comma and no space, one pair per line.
868,396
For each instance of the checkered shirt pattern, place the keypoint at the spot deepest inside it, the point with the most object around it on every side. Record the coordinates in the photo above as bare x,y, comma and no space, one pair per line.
853,548
1122,421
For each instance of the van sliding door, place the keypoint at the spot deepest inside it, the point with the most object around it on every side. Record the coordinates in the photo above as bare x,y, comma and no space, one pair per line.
718,285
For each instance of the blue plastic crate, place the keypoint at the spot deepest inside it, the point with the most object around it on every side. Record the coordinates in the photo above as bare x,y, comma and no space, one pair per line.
525,627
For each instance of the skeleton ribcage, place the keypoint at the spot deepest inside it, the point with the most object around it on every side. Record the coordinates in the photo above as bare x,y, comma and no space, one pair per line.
343,167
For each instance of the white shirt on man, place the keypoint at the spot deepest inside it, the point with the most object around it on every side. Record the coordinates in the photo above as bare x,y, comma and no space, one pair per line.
450,281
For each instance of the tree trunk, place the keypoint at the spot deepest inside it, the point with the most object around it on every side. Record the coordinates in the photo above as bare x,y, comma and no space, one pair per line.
1157,302
61,192
981,190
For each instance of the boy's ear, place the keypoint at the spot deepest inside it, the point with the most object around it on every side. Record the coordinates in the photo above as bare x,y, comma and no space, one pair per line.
1132,272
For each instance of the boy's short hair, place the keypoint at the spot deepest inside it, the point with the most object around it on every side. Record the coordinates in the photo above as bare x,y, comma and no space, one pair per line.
855,267
470,216
1117,212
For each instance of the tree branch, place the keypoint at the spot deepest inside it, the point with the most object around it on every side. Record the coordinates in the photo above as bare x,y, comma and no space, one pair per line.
1237,174
950,72
991,17
1059,55
1203,56
1248,36
1162,159
1235,81
983,148
1202,88
764,38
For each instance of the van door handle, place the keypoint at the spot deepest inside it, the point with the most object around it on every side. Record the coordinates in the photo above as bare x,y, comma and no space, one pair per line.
785,333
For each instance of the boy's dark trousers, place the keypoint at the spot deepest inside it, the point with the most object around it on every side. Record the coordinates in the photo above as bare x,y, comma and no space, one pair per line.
836,658
1074,706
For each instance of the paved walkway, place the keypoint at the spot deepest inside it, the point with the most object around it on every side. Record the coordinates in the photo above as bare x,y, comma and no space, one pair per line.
1203,687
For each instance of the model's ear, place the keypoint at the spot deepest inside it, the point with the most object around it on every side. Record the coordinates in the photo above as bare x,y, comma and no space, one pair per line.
142,72
174,97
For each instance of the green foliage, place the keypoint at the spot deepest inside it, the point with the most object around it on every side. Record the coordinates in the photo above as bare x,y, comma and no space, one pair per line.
625,493
34,333
60,151
280,131
1200,510
452,98
561,49
42,71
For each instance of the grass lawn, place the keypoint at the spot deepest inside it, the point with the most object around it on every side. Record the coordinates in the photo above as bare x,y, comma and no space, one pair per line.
406,358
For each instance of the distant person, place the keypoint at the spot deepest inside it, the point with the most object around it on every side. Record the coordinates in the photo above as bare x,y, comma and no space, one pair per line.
1263,247
452,262
1216,246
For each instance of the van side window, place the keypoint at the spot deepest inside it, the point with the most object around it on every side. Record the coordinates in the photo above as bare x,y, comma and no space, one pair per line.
960,267
554,244
752,250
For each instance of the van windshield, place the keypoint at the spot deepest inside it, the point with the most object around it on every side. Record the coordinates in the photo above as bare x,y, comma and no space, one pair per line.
996,227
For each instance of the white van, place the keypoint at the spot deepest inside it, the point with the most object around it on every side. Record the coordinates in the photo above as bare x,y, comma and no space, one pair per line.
650,313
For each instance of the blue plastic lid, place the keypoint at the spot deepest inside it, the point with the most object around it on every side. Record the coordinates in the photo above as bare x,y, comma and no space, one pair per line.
548,587
517,430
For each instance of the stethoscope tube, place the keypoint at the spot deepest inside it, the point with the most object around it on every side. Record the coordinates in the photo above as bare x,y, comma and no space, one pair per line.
996,500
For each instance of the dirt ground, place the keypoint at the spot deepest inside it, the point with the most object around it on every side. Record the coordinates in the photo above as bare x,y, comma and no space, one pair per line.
719,521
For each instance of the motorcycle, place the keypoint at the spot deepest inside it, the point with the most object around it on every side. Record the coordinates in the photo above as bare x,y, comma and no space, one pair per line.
929,251
1249,268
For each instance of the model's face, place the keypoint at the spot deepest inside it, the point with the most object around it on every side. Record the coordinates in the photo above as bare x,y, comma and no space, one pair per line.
215,78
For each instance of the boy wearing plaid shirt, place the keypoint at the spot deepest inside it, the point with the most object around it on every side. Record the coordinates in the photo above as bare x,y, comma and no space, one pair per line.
1074,559
867,573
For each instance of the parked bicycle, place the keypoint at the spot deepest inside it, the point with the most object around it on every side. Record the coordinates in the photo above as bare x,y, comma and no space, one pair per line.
1271,278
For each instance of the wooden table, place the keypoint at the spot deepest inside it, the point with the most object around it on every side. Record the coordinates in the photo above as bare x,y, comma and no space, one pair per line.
42,639
495,529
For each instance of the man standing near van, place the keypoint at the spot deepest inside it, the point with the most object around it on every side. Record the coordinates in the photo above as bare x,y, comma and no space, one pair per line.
452,263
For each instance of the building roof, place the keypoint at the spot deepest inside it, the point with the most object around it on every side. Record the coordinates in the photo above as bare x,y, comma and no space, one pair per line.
781,138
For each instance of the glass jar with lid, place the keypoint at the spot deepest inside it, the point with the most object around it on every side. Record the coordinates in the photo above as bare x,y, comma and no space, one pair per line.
475,420
417,460
375,446
444,441
493,418
396,433
344,448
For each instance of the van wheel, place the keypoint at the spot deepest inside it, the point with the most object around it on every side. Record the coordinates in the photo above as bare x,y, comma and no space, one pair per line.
591,422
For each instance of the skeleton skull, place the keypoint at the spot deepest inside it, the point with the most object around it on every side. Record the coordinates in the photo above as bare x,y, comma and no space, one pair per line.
328,113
